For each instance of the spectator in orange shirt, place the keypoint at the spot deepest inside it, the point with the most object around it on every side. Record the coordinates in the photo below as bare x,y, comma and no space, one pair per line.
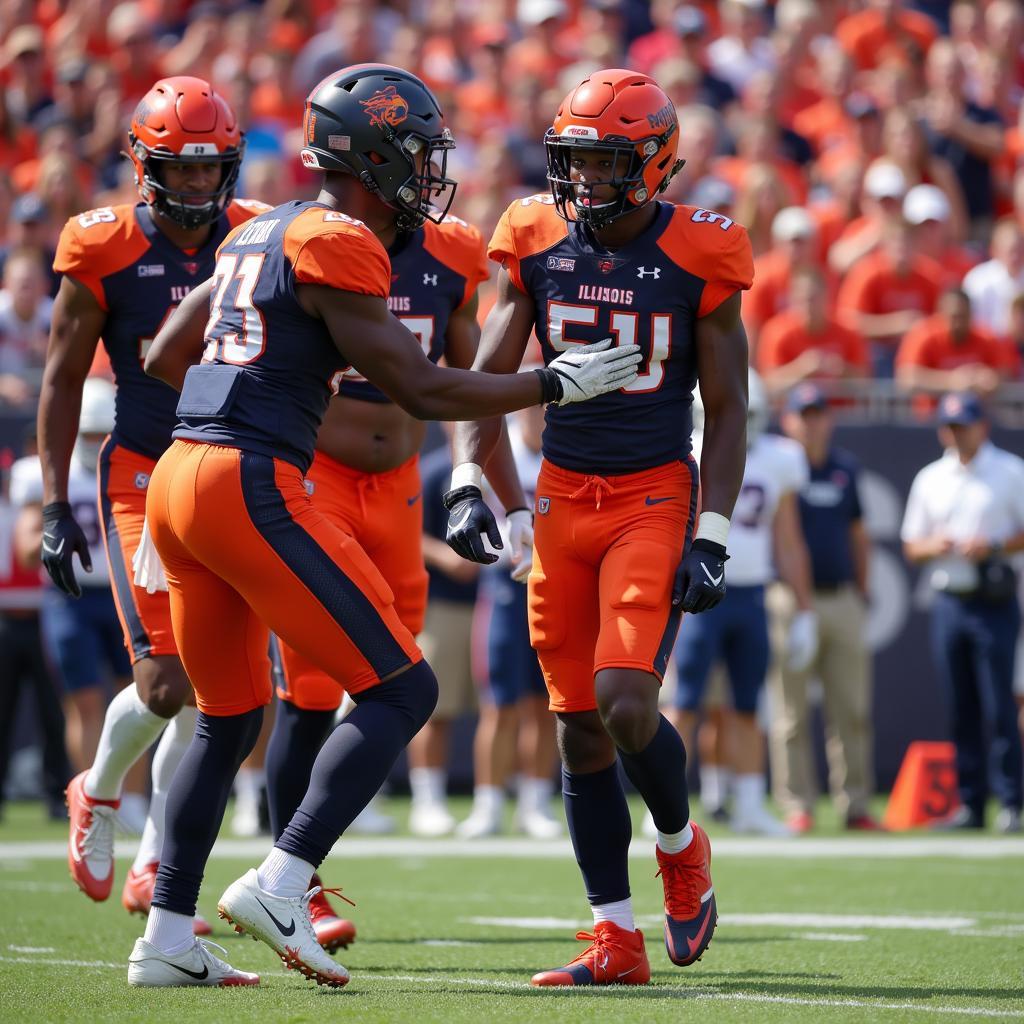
884,28
806,343
882,195
945,353
794,248
759,141
542,51
861,146
762,194
827,123
886,293
926,210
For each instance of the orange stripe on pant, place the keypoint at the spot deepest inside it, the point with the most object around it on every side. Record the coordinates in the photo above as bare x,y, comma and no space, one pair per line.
245,551
606,552
383,513
145,618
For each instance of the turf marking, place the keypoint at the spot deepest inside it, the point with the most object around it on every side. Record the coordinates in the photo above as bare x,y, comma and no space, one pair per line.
829,937
57,962
32,949
873,847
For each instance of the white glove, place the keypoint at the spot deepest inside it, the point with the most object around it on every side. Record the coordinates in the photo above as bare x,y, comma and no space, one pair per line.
149,570
802,642
587,371
520,538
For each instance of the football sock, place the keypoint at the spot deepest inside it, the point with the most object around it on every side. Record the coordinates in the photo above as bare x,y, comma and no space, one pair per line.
488,801
129,728
295,741
168,931
283,874
714,786
750,792
356,759
620,912
429,785
169,752
535,794
675,842
196,802
600,828
659,773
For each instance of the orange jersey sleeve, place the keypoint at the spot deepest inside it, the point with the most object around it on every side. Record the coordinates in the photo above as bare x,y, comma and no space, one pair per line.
98,243
460,246
527,227
241,210
331,248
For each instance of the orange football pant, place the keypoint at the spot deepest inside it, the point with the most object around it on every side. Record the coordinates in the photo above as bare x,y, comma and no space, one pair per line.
246,552
383,512
605,556
123,483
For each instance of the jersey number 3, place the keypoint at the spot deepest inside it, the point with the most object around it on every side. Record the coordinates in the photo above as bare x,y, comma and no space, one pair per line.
235,332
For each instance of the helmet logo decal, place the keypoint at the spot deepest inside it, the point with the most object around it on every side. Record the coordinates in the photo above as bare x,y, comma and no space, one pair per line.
579,131
664,118
386,108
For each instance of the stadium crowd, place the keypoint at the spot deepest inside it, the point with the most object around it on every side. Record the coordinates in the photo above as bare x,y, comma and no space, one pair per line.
874,151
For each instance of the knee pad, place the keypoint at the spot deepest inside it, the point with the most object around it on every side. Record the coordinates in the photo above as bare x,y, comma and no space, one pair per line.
413,693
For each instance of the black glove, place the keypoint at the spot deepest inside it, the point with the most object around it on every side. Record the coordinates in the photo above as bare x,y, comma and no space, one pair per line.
62,537
469,519
700,578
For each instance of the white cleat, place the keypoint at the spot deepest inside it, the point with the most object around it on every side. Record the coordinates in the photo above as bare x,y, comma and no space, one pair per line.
430,820
372,822
284,924
759,822
148,966
478,825
538,824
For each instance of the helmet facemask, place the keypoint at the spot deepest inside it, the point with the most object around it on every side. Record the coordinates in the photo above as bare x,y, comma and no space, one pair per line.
427,193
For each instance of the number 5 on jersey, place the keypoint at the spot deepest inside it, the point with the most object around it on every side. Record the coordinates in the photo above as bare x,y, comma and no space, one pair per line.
235,332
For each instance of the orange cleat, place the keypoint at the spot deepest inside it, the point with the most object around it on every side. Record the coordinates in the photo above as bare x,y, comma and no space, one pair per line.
614,957
800,823
690,911
91,840
332,932
137,895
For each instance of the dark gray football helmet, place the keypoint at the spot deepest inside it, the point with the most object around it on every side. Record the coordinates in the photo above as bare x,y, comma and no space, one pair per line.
383,125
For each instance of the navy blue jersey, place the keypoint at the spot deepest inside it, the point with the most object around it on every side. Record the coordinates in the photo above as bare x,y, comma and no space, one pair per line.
434,271
829,504
650,292
138,276
269,368
435,475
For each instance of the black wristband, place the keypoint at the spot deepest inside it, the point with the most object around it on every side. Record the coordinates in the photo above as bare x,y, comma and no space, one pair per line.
466,491
550,386
56,510
703,544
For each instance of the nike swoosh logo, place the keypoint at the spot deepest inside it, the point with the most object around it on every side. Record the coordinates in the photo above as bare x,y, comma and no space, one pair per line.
198,975
657,501
459,523
694,943
715,581
412,501
622,974
290,930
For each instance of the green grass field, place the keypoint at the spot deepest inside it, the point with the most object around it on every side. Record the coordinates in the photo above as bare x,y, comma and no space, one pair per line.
828,928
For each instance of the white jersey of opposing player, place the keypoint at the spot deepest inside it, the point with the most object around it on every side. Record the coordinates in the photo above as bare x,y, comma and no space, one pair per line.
528,464
776,466
27,489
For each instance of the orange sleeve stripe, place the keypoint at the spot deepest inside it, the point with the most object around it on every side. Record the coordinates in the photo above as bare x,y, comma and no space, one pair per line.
327,250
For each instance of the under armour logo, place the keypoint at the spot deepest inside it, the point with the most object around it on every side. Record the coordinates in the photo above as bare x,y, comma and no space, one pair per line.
643,272
430,279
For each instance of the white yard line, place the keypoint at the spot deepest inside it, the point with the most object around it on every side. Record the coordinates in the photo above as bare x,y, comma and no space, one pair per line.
872,847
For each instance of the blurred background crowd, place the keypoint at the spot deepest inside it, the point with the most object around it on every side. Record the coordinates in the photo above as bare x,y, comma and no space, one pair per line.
874,150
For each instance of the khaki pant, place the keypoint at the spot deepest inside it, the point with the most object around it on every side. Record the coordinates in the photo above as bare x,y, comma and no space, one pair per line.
446,642
843,666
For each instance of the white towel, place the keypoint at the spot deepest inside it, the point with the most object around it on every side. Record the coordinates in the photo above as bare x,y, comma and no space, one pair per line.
149,570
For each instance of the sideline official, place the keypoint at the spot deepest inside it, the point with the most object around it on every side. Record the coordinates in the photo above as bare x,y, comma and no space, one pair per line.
964,518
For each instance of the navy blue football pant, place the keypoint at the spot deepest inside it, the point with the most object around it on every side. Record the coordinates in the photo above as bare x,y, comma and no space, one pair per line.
974,646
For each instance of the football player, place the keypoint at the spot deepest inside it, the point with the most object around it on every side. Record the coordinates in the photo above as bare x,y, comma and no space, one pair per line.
298,295
765,537
125,269
616,559
365,477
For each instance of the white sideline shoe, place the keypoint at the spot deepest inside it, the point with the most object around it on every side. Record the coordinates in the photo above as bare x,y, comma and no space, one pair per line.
284,924
430,820
148,966
759,822
538,823
479,825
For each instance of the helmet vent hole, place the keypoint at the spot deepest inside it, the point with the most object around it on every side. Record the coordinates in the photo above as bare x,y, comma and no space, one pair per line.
376,158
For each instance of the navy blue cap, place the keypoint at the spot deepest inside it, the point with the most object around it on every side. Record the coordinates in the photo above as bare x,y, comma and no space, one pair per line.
960,408
806,396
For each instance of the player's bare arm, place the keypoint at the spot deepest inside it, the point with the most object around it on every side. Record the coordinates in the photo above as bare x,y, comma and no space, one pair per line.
384,352
722,374
179,343
75,330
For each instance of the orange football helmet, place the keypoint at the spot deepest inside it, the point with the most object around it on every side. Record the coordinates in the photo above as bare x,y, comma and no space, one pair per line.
627,114
184,120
